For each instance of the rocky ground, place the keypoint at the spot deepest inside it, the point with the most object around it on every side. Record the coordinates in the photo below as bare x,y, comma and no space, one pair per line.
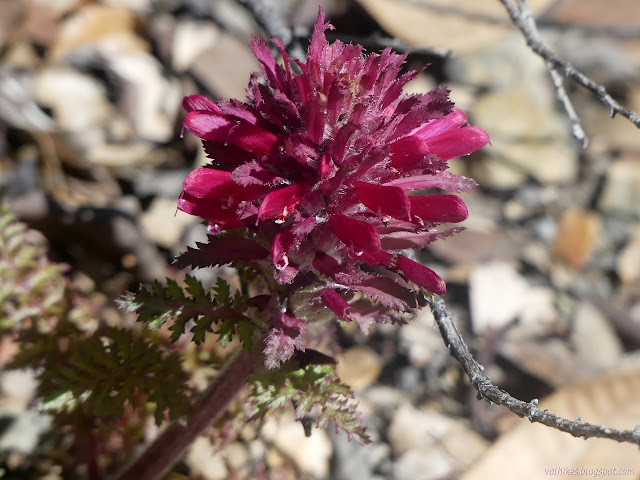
544,283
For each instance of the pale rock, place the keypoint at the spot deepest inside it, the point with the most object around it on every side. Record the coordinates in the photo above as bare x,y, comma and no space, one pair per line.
616,133
614,13
155,98
504,65
311,454
119,155
594,338
472,246
359,367
497,295
22,430
577,233
464,444
190,39
274,459
211,67
98,27
621,191
552,360
424,463
59,7
78,101
420,84
237,456
237,19
12,14
22,55
205,461
384,397
525,107
548,160
163,223
433,23
537,253
138,6
421,338
628,264
411,428
17,105
538,313
463,96
514,210
495,173
528,138
20,385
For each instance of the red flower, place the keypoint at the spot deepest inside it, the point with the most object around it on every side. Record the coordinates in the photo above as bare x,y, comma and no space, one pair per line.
319,163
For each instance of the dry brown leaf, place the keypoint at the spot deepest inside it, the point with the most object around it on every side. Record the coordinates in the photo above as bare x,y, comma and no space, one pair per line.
463,26
618,13
531,450
576,236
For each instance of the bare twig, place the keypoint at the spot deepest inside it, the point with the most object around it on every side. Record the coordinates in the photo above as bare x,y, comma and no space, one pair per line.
531,31
487,390
523,19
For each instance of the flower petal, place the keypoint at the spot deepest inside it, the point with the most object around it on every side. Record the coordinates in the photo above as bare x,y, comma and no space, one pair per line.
337,304
421,275
453,121
361,235
219,215
459,142
210,183
199,102
218,184
280,203
383,200
379,258
408,150
443,180
438,208
252,138
208,125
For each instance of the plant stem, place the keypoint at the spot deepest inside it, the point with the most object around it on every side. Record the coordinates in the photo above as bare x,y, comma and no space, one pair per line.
170,445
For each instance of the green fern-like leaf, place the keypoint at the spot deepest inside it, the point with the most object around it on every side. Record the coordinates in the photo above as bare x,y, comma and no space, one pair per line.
206,309
312,386
104,372
32,287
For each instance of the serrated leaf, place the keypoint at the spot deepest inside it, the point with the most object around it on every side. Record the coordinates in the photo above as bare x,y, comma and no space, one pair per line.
387,292
223,291
220,250
287,336
58,401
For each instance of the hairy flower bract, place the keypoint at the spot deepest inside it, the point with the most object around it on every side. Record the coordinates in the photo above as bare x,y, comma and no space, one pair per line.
320,164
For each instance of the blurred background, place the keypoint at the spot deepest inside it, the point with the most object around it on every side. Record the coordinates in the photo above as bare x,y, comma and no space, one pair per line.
544,283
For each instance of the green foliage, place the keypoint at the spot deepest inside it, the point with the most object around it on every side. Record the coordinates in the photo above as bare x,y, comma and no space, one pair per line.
104,372
31,286
205,308
80,363
312,386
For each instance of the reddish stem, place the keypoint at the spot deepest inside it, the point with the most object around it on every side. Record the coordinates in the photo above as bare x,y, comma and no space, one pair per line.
170,445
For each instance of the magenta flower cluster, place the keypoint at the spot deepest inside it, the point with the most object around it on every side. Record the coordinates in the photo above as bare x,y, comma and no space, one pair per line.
320,163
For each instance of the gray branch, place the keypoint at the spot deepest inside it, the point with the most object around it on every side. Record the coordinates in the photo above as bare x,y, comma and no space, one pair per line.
487,390
522,18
